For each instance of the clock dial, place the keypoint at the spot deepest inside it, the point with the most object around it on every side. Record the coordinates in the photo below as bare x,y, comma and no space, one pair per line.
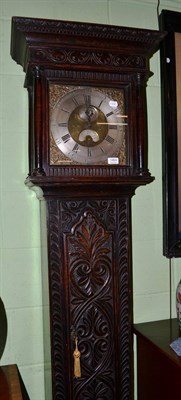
87,126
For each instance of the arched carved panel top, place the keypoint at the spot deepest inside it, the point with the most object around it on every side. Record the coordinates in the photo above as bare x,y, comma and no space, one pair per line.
104,209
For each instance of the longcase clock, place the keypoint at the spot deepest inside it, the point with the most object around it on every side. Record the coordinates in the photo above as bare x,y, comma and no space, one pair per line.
88,153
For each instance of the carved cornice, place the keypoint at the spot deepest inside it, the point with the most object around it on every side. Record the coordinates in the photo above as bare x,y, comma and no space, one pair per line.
54,42
79,29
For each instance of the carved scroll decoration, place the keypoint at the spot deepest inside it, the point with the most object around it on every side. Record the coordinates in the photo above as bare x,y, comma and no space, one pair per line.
78,57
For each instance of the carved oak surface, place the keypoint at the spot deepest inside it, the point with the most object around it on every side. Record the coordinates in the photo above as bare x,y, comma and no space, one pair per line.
89,222
90,298
76,57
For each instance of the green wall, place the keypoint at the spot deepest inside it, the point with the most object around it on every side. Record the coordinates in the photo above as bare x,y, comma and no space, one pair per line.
20,255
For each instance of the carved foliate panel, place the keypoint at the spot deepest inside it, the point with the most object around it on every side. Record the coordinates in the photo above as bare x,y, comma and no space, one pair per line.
91,311
89,291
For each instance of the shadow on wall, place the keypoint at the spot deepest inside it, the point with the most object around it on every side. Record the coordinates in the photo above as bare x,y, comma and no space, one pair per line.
3,328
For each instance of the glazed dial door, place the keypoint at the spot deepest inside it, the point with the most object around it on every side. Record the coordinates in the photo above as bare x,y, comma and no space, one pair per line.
87,126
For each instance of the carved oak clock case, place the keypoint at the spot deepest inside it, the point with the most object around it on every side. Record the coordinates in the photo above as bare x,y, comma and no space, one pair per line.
88,153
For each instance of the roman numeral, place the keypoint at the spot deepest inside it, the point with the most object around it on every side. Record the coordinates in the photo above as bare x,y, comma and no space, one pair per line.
109,139
75,101
89,153
109,114
66,137
76,148
112,126
62,124
87,99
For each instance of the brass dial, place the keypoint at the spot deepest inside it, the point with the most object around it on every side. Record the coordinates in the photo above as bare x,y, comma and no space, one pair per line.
86,126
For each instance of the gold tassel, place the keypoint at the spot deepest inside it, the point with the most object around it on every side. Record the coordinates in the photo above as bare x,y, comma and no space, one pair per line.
77,355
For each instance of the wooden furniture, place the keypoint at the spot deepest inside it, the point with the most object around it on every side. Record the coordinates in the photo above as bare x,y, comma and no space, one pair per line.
170,58
81,77
11,384
4,327
159,368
